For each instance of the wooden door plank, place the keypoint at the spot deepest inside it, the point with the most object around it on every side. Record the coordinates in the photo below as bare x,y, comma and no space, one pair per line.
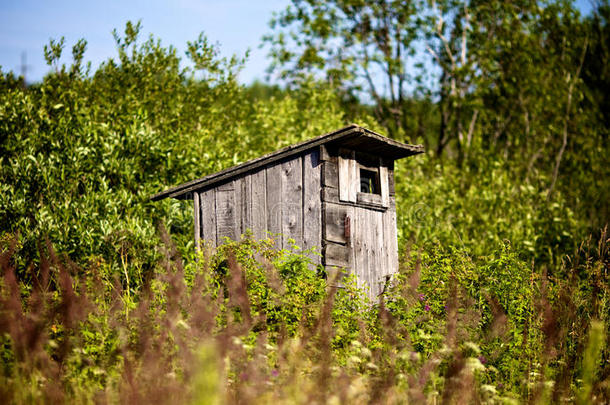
391,238
381,263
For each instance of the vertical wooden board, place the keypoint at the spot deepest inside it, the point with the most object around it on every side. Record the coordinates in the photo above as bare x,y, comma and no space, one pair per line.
242,204
196,220
384,185
390,238
274,201
354,178
375,250
258,208
246,216
391,187
343,178
330,173
323,153
359,245
312,204
371,254
356,241
381,251
207,201
292,201
348,176
238,186
349,242
225,214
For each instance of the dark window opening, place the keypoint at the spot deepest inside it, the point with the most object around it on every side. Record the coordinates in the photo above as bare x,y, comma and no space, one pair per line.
369,181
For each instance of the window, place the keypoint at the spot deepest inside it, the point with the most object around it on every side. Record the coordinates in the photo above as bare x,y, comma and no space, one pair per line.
369,181
363,179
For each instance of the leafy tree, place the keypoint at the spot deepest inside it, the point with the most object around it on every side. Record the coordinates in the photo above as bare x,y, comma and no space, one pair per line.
82,153
360,47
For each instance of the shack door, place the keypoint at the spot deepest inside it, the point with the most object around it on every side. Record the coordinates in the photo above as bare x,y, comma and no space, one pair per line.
360,221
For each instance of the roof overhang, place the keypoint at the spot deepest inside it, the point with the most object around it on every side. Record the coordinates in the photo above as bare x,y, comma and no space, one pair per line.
351,137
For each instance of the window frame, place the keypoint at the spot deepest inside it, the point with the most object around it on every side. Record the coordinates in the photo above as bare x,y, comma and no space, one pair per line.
350,165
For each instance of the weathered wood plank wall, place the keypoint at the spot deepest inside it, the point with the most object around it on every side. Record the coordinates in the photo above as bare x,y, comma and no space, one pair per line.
282,199
359,229
312,204
208,215
301,199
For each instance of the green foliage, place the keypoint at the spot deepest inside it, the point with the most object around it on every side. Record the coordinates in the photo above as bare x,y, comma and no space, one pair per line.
81,155
249,321
502,302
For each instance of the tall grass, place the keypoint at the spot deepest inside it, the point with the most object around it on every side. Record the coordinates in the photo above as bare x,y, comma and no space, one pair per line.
202,333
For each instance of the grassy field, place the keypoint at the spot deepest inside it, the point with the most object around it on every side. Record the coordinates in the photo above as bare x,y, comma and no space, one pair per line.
503,294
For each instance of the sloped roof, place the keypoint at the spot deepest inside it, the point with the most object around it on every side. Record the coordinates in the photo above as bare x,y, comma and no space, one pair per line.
352,136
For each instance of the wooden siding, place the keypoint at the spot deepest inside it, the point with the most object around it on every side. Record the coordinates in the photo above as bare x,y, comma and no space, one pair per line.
281,200
359,235
299,200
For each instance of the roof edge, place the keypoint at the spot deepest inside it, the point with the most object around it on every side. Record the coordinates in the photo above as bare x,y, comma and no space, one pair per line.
184,188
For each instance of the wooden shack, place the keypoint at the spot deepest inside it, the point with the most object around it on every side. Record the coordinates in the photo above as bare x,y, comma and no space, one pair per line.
334,192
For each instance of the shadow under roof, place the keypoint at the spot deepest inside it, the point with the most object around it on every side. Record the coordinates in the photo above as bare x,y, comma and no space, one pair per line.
352,137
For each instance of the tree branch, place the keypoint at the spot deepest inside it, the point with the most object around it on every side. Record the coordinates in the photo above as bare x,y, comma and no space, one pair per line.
566,121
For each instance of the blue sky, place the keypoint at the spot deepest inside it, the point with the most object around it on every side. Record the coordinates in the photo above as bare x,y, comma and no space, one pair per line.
237,25
27,25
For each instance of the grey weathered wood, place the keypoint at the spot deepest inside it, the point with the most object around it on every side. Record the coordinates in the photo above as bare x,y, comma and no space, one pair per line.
348,175
381,260
207,200
274,201
366,251
336,255
360,253
330,175
238,186
336,215
292,202
323,153
374,200
384,186
246,216
243,204
259,204
312,204
299,198
196,210
374,256
391,239
225,213
330,194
